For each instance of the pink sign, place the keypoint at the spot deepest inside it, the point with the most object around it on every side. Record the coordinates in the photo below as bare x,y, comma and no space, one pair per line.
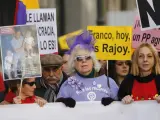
149,36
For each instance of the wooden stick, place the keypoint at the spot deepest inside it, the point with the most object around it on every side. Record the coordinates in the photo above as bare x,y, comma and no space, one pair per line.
23,74
20,89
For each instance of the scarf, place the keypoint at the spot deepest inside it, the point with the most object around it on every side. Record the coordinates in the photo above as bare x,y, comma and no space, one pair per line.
50,93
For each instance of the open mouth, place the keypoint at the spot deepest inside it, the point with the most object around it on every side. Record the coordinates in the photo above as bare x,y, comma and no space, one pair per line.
84,66
125,71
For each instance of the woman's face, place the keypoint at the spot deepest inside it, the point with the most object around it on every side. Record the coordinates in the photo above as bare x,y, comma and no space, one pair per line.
83,63
29,87
145,59
122,67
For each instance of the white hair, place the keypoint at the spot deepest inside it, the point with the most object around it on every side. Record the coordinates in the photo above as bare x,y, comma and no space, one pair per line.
74,53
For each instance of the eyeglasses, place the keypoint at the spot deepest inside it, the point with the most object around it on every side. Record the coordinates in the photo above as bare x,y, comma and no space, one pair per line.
122,63
82,58
54,69
30,83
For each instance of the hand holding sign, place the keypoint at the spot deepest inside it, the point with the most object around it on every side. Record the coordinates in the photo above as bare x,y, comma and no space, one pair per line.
17,100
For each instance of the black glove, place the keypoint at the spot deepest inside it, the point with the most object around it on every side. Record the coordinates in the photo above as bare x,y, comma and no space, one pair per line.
107,100
69,102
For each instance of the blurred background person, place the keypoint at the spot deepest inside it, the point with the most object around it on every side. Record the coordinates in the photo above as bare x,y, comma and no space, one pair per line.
65,58
119,69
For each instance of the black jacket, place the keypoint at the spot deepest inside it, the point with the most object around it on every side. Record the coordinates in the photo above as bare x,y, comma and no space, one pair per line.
127,84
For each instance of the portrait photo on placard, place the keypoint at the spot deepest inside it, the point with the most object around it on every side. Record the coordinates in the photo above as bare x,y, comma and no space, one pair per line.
20,52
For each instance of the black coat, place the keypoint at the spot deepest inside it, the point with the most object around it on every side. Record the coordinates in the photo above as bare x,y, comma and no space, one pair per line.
127,84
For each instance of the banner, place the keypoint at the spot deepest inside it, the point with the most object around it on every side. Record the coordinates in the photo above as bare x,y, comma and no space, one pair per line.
147,36
112,43
143,110
45,19
20,52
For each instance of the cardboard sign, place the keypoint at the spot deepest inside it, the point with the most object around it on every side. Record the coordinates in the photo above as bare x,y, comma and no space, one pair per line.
148,36
112,43
45,20
62,39
143,110
149,13
20,52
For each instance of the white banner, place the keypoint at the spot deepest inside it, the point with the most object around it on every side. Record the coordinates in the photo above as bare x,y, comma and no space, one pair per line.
143,110
45,20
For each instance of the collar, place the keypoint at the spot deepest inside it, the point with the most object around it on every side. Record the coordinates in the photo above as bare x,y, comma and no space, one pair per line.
91,75
145,79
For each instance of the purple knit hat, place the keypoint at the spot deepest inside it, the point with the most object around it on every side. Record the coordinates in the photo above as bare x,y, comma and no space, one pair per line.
85,40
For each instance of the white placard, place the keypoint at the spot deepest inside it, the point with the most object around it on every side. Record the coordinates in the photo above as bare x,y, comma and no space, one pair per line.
149,13
45,20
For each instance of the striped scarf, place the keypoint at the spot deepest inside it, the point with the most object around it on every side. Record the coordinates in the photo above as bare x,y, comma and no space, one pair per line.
50,94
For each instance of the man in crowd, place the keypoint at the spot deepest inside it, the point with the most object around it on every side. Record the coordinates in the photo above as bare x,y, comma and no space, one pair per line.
52,77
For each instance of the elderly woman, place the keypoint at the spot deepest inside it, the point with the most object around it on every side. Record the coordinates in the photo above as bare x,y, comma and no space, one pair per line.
86,84
27,93
144,81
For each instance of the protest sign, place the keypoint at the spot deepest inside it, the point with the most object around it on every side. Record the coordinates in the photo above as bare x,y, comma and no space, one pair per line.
143,110
63,39
147,36
149,13
20,52
45,20
112,43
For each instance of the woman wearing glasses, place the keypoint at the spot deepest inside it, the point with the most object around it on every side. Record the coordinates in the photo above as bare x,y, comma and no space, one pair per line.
86,84
118,69
144,81
26,95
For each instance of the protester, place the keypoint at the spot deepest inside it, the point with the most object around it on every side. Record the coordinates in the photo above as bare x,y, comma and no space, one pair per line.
118,69
86,84
25,96
144,81
65,58
52,77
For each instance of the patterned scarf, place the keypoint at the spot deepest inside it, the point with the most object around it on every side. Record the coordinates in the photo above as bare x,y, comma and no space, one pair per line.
50,94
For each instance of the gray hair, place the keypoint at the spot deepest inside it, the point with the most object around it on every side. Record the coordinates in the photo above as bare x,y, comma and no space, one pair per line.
74,53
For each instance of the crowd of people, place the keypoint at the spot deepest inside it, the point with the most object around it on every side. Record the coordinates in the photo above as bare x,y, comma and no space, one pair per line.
79,76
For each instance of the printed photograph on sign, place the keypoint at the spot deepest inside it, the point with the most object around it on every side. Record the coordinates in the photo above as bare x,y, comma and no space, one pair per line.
20,52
